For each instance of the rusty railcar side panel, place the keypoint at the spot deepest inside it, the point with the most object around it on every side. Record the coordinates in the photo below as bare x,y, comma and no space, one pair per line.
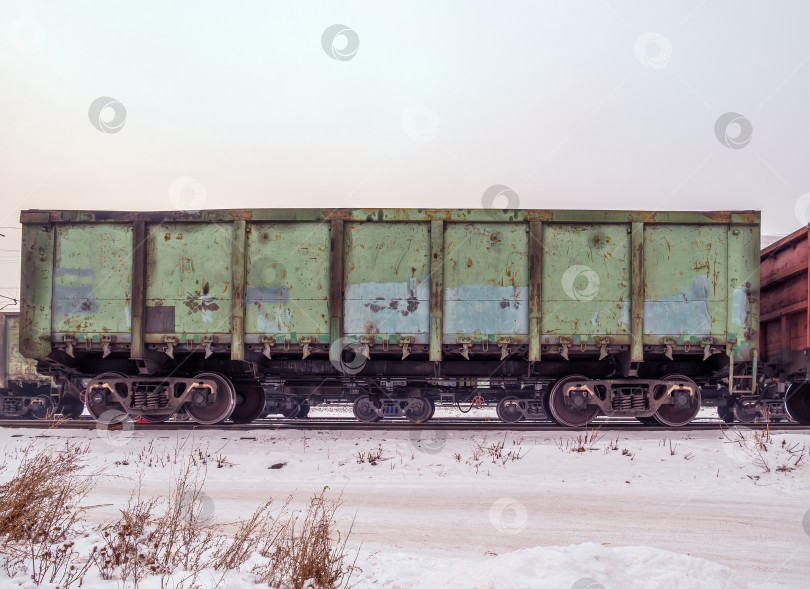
387,286
486,280
188,281
686,282
287,293
586,283
92,280
785,291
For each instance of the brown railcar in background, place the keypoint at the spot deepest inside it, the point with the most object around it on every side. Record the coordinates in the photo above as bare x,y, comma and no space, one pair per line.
785,319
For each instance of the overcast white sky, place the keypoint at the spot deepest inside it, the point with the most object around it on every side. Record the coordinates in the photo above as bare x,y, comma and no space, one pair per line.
592,104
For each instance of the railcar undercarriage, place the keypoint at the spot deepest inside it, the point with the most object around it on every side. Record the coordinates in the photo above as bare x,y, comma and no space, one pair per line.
517,392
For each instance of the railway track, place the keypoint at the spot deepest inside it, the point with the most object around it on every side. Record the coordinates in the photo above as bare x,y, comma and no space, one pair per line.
349,424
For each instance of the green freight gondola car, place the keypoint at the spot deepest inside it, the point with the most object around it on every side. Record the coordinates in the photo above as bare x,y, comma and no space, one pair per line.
24,393
231,314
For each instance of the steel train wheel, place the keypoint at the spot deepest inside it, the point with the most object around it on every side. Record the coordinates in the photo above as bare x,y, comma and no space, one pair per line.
99,405
745,414
298,410
684,410
72,407
364,409
508,410
797,402
290,412
725,414
432,408
419,411
249,402
303,409
41,407
546,408
575,414
221,408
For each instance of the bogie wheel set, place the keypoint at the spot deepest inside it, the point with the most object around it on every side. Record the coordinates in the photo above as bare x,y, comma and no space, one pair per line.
371,409
211,398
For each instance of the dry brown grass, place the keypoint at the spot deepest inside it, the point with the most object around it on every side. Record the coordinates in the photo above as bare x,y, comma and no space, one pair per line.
175,544
39,514
174,539
372,456
307,549
760,449
302,549
583,442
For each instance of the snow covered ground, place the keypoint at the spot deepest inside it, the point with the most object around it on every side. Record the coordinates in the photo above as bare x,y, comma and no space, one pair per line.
474,510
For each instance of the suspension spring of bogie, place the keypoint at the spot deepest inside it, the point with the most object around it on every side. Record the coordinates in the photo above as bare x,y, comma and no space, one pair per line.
139,398
629,400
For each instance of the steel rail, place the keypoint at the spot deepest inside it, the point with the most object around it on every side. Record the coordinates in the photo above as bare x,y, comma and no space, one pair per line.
348,424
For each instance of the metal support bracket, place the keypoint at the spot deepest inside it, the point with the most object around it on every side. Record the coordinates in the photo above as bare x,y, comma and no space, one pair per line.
106,345
170,342
707,348
70,341
564,343
305,343
603,348
466,344
404,342
504,342
208,340
267,343
670,346
365,341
